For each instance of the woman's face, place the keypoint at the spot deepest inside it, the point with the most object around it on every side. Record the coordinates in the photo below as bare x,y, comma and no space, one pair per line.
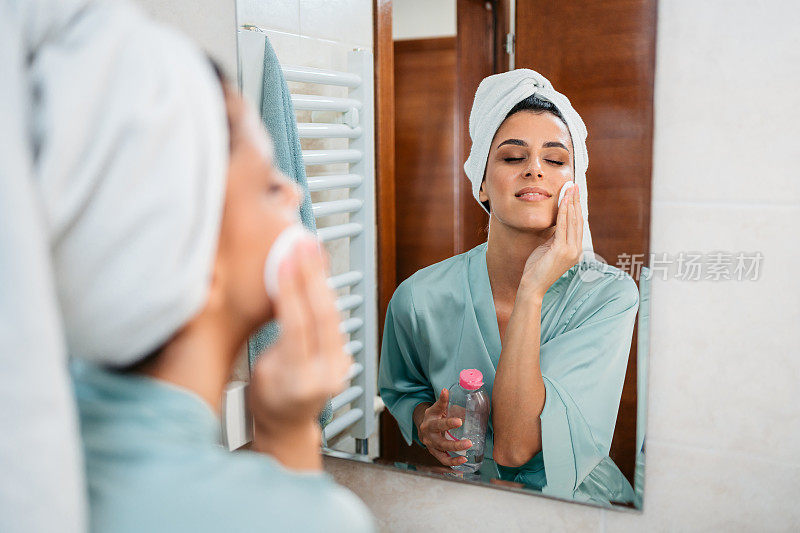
531,153
260,202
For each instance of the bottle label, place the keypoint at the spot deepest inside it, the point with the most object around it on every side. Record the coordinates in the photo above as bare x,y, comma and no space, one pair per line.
449,436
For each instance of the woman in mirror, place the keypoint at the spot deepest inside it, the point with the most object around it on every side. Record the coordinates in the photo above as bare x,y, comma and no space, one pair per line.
547,324
164,204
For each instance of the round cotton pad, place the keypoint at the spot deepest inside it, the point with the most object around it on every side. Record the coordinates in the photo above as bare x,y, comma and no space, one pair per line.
280,250
567,186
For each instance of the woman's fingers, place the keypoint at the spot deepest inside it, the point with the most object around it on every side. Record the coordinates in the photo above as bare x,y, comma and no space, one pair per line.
322,305
440,405
445,459
440,425
570,225
571,218
443,443
561,219
578,219
291,311
327,343
306,260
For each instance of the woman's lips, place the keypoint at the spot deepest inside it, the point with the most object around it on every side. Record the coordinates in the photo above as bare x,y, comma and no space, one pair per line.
533,197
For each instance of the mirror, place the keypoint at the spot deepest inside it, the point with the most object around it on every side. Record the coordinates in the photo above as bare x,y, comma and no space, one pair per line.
547,378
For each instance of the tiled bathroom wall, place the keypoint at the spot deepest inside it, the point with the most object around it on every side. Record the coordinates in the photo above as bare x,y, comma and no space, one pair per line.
723,446
423,19
210,23
314,33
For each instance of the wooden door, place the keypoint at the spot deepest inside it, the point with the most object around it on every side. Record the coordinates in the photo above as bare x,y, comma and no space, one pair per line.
425,150
425,114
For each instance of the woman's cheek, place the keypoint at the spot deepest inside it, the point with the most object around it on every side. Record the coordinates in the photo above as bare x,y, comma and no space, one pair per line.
508,181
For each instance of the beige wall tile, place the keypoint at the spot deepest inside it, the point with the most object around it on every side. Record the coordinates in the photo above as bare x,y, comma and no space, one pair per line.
210,23
322,53
281,15
406,502
689,489
287,47
347,21
724,369
719,135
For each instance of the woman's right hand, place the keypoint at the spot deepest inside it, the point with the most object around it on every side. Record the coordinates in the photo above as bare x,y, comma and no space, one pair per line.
433,423
559,253
308,364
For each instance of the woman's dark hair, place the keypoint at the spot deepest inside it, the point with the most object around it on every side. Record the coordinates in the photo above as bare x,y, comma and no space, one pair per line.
537,105
217,69
223,82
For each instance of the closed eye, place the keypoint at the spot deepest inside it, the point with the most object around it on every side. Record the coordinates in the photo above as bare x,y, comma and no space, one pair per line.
559,163
512,159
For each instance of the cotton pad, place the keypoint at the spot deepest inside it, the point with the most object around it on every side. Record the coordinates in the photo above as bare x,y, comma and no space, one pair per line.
281,249
567,186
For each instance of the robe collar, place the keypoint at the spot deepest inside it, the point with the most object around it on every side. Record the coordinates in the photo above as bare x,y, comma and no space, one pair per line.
152,408
483,300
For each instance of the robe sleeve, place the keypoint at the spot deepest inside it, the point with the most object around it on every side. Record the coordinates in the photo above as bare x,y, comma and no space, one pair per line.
402,382
583,370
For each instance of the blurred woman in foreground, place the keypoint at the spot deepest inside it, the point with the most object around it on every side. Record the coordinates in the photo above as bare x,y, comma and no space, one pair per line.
162,204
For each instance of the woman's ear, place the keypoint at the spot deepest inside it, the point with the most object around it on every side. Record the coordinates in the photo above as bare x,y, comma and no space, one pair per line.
482,196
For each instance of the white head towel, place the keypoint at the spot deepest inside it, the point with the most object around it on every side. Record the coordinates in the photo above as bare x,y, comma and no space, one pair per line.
495,97
134,149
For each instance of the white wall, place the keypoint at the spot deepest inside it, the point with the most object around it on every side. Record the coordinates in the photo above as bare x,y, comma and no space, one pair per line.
417,19
211,23
724,415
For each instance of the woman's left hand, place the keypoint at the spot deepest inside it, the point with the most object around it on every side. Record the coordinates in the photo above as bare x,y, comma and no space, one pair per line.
558,254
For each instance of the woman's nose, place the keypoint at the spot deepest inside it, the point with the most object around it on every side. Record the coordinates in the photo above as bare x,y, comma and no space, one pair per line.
534,170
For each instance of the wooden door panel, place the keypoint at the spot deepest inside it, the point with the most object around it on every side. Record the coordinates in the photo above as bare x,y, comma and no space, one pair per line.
425,86
425,129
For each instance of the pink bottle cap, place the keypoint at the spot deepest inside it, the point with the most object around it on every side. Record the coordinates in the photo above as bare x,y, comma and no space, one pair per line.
471,379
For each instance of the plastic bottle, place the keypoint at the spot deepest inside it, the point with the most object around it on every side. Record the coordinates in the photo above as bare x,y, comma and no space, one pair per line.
469,402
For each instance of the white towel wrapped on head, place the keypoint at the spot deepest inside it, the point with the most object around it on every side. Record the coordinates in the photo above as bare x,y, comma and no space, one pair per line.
132,126
495,97
112,170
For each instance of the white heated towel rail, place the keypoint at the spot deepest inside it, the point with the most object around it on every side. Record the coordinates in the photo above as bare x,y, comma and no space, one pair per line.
355,122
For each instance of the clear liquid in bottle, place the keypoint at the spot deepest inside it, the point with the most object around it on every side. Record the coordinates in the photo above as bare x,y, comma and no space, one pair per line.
469,402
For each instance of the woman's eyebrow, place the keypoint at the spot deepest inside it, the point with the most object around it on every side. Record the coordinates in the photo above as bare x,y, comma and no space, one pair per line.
555,144
515,142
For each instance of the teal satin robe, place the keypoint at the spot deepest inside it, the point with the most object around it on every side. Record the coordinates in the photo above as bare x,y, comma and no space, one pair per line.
442,320
153,464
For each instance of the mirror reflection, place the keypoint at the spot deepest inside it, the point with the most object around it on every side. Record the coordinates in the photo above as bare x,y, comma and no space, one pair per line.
510,343
521,319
